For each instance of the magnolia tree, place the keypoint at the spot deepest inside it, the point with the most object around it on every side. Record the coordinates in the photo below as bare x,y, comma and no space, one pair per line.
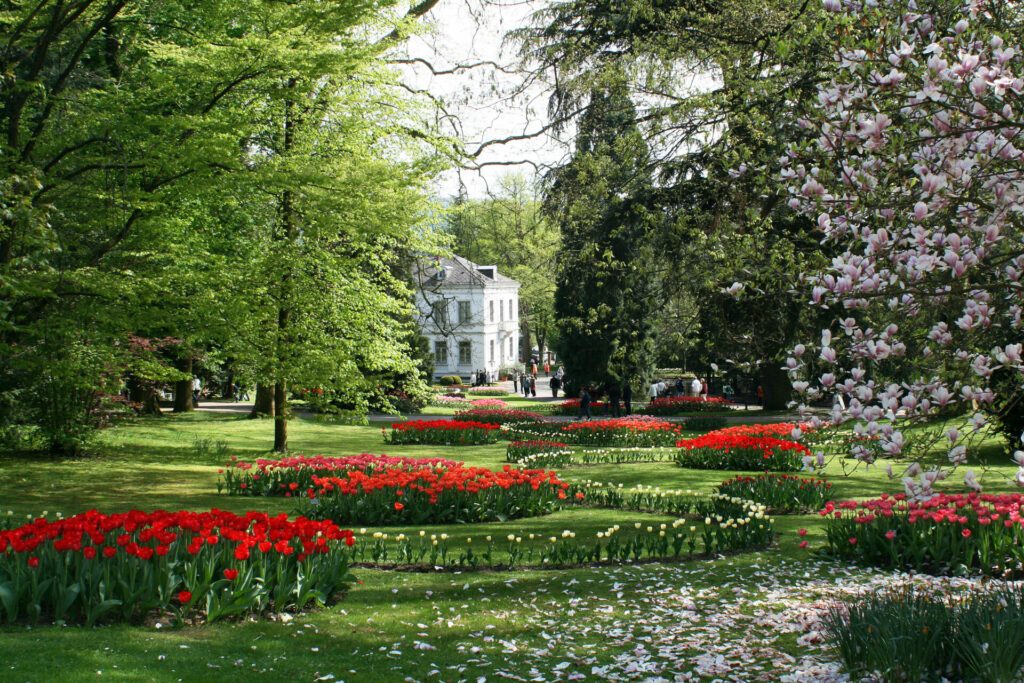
913,171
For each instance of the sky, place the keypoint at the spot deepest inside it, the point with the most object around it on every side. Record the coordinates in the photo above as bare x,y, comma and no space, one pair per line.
484,102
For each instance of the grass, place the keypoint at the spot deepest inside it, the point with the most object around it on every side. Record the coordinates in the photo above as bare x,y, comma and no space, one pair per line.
172,463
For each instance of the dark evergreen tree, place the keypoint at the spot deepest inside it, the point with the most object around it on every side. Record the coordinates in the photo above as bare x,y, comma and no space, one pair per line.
603,280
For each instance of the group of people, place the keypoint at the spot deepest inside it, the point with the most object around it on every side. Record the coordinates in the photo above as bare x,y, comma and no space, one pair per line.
696,387
620,400
481,378
526,381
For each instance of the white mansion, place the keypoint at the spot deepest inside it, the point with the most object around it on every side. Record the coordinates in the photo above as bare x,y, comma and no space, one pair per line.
470,314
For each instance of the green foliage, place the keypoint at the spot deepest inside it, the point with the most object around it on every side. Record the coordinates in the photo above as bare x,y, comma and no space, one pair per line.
450,381
909,634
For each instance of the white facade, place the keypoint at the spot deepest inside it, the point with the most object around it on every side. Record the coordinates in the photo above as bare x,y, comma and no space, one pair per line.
470,314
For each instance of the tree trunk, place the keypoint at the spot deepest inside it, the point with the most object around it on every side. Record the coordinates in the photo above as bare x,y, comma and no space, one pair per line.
524,339
776,385
281,418
143,394
264,404
183,389
229,387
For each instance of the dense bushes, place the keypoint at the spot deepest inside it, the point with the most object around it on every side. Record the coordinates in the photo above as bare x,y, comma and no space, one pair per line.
912,634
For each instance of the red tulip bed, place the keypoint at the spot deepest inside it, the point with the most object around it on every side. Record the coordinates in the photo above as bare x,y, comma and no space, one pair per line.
293,475
443,432
497,416
518,450
681,405
949,533
635,431
123,567
780,492
435,495
718,451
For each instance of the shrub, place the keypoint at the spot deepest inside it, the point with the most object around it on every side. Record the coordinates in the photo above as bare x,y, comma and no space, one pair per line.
442,432
715,451
121,567
486,391
911,634
293,475
681,405
435,495
780,492
497,416
947,533
450,381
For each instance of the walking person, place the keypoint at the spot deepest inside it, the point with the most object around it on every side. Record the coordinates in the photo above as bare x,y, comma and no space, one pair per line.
613,399
695,387
533,369
556,384
547,369
525,384
515,381
760,395
584,403
197,388
243,392
627,397
652,392
704,389
533,386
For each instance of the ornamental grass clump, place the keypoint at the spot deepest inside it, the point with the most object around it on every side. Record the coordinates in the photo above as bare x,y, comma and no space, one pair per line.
486,391
780,492
293,475
914,634
497,416
947,534
718,451
442,432
435,495
95,567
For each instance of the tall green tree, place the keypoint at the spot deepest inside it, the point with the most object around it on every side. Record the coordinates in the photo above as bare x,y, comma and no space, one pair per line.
603,300
724,85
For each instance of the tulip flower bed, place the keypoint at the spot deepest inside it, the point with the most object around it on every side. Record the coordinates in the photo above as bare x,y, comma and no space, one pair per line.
497,416
443,433
517,450
778,430
443,401
617,544
486,391
435,495
681,405
780,492
977,533
567,457
488,403
633,431
94,567
717,451
293,475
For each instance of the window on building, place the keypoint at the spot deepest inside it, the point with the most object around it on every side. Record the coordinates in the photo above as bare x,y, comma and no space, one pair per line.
501,308
510,351
492,351
464,312
441,314
441,353
490,308
465,353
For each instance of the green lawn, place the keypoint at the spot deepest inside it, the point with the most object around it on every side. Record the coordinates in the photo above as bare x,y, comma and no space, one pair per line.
435,626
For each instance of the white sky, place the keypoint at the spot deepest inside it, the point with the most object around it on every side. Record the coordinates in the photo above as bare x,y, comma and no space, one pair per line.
481,99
